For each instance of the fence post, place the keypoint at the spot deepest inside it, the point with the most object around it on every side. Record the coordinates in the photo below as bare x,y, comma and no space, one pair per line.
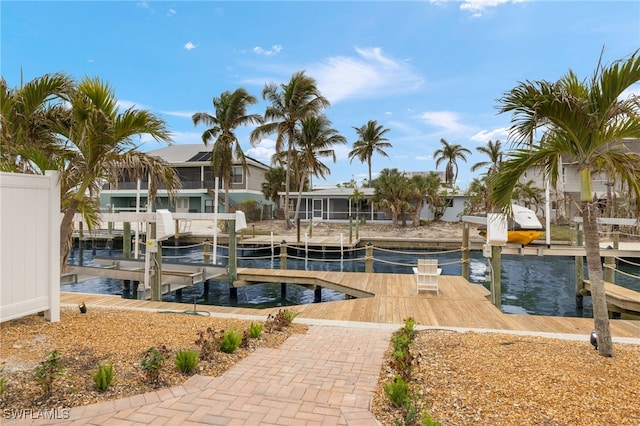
126,240
496,282
368,258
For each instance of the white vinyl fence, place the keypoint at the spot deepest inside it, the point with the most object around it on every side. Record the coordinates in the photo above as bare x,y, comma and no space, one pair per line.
29,245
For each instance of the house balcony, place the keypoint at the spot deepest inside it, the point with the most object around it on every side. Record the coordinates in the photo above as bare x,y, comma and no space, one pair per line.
128,186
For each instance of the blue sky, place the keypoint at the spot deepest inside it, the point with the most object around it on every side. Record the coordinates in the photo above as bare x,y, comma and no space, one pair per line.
424,69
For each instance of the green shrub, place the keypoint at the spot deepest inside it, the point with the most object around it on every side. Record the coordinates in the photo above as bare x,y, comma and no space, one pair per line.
186,360
153,362
103,377
3,386
48,370
427,420
255,330
409,329
398,391
231,339
290,316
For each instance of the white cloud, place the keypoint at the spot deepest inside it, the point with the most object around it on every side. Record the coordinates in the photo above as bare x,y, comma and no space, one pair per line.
262,151
275,49
368,74
181,114
190,46
445,119
484,136
478,7
186,137
171,12
124,104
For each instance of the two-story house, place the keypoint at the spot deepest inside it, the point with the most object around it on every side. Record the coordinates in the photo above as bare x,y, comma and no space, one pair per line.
192,162
565,196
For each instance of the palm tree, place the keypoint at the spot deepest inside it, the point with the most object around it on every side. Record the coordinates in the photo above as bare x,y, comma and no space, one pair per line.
494,152
290,104
99,146
586,120
315,140
371,140
273,184
27,113
450,153
392,194
230,111
527,193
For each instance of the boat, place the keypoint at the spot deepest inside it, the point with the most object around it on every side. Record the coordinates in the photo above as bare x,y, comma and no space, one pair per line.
522,228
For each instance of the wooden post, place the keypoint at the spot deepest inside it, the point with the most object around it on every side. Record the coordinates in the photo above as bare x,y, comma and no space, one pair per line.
206,251
126,240
233,259
311,226
579,270
609,269
156,285
368,258
283,265
317,294
176,232
465,251
350,230
298,230
283,255
496,282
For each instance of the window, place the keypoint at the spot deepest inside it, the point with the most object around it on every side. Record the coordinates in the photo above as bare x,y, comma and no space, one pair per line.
237,175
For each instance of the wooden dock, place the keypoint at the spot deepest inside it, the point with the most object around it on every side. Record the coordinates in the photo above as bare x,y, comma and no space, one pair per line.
388,298
619,299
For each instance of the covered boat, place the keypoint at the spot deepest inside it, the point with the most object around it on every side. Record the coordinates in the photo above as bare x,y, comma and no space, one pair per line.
523,226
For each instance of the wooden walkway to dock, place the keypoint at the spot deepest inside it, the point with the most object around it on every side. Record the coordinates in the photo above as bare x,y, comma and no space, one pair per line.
393,298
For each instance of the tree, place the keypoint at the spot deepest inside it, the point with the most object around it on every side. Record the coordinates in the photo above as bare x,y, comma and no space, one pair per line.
230,111
494,152
392,194
450,153
528,194
27,141
370,141
98,145
290,104
273,184
588,121
425,189
315,140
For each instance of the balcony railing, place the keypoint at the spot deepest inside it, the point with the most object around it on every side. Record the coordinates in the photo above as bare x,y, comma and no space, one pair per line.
127,186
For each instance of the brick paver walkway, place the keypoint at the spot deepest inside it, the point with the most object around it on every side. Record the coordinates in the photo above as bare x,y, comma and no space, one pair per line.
324,377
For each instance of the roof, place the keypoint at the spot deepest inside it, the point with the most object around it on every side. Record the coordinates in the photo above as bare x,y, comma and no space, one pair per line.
195,153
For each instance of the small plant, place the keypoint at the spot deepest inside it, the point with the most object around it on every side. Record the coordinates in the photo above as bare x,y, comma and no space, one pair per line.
398,392
282,319
153,361
48,370
427,420
186,360
3,386
208,343
231,339
103,377
255,330
409,329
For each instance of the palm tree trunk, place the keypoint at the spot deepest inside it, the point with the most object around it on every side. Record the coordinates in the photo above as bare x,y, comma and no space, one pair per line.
66,231
594,266
299,201
287,221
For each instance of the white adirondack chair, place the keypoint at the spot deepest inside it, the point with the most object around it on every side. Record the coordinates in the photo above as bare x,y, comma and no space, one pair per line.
427,274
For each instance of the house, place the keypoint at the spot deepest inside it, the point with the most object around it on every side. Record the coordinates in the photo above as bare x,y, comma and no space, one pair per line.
339,204
192,162
565,196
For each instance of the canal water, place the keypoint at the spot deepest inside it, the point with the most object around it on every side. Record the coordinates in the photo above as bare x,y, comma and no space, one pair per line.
530,285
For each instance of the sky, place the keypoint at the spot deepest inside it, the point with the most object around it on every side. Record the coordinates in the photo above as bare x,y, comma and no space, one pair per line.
427,70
